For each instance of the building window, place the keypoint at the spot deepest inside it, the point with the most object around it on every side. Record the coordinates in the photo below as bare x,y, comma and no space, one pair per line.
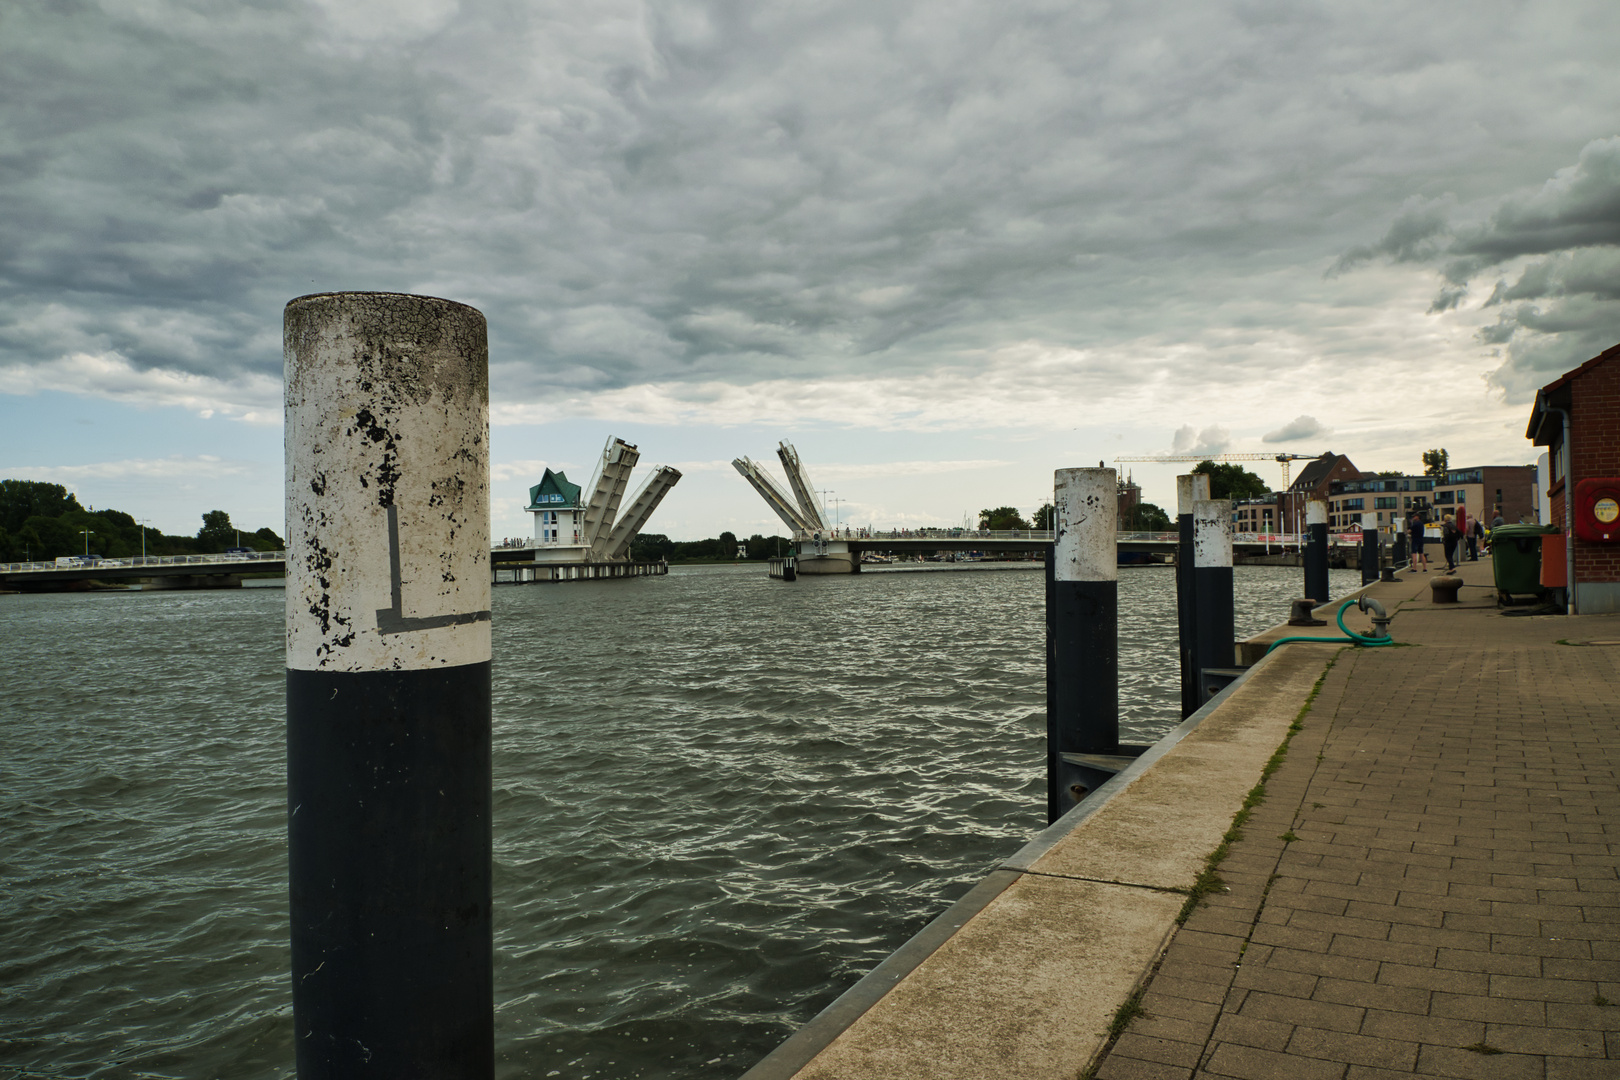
1386,503
1353,504
1443,498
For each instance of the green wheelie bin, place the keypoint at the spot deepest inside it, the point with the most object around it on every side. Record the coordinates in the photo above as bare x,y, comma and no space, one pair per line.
1516,559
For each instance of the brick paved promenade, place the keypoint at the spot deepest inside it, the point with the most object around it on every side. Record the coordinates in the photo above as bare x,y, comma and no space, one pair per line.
1430,886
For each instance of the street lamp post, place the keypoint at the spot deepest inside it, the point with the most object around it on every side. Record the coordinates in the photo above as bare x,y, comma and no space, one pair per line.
87,534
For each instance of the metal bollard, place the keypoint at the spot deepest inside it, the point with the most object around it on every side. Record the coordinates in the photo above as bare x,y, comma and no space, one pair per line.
388,686
1082,642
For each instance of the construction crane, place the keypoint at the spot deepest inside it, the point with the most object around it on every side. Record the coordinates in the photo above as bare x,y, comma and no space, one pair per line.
1281,459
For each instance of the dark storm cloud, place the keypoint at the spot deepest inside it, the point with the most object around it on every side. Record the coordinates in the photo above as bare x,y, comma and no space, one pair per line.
689,192
1564,305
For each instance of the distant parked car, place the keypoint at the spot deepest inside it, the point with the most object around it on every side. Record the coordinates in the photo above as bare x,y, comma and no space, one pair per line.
245,553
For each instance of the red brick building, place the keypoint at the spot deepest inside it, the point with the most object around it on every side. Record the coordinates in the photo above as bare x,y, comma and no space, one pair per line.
1590,396
1312,483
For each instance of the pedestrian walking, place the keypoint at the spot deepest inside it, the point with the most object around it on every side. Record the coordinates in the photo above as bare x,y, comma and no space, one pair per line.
1414,525
1476,533
1448,540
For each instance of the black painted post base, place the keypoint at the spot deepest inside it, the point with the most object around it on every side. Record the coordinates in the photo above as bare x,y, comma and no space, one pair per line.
389,850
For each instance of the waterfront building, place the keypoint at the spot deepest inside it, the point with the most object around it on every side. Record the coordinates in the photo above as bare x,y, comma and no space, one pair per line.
1312,483
558,513
1584,468
1479,491
1256,516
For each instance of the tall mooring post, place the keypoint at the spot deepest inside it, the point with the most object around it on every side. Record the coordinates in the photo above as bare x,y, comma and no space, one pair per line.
1082,639
1369,548
388,686
1189,489
1216,631
1316,551
1398,550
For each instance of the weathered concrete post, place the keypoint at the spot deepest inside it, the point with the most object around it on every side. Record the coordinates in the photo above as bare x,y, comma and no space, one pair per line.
1082,642
1212,588
388,686
1398,552
1189,489
1369,549
1316,551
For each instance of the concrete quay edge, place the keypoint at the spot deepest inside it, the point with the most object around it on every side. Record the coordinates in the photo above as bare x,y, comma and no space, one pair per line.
1023,975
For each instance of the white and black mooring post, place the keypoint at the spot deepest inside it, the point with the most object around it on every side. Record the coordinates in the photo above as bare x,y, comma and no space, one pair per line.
1189,489
388,686
1082,641
1316,551
1369,548
1216,633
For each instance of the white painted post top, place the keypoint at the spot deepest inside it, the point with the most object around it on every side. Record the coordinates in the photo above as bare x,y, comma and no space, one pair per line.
1316,512
1212,532
1190,487
1369,521
1086,504
387,483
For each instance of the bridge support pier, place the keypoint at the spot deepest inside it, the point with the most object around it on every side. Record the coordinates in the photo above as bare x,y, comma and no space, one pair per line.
827,557
191,581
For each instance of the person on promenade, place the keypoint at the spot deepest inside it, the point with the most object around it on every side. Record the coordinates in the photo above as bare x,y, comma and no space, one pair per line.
1476,533
1414,525
1448,540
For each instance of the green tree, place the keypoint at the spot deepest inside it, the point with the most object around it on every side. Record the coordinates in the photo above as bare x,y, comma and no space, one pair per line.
1044,516
23,499
1146,517
267,540
1436,462
650,547
1229,480
1002,517
1389,474
217,532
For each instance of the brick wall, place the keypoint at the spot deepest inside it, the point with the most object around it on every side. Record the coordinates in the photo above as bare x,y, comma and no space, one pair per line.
1594,420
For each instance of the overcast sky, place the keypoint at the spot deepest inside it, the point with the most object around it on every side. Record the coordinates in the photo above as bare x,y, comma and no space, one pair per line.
943,248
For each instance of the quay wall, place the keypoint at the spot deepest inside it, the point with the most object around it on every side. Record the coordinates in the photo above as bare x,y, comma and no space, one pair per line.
1024,974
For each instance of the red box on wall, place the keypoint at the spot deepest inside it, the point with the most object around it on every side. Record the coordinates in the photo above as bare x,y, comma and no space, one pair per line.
1597,509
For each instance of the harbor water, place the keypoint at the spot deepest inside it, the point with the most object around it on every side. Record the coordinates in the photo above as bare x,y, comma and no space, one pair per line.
719,800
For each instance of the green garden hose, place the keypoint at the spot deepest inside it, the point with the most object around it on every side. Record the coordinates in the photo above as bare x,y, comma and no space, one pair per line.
1368,639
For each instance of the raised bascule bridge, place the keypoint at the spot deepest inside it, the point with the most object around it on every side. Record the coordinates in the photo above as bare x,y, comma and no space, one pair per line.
825,547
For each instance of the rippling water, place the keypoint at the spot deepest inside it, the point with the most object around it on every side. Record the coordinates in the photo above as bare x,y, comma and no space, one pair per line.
719,800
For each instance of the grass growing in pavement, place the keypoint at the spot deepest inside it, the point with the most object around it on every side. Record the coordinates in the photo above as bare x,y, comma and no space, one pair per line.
1209,878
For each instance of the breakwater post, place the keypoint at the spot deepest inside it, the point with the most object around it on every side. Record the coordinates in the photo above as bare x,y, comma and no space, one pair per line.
1212,593
1316,551
1190,488
1082,637
388,686
1369,549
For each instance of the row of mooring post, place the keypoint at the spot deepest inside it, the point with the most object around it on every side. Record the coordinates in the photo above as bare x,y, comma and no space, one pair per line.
388,686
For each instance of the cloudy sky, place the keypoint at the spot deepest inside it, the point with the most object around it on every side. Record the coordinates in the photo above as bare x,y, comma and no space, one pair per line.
943,248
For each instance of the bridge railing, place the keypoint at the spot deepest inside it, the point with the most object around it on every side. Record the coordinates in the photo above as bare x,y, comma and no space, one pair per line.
94,561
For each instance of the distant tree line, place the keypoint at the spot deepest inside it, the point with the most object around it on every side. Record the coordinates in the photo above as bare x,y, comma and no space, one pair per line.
42,521
650,547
